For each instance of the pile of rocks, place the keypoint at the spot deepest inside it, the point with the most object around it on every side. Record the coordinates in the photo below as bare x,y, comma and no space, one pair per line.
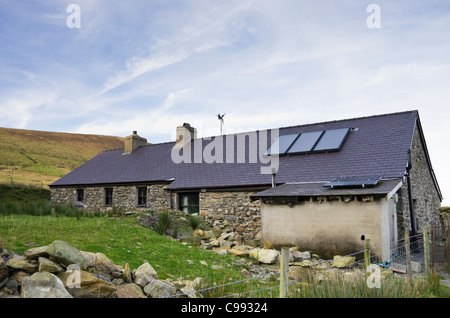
59,270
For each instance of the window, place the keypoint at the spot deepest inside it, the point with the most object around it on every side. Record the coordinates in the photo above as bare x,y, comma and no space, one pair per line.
142,196
108,196
189,203
80,195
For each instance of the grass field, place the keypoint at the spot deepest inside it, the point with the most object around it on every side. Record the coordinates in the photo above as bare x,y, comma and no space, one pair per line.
39,158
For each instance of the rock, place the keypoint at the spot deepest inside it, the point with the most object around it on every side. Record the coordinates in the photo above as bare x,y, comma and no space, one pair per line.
264,256
299,256
238,252
217,231
66,254
130,290
82,284
46,265
104,264
268,245
36,252
3,270
199,233
127,274
343,261
22,265
158,289
144,274
43,285
19,276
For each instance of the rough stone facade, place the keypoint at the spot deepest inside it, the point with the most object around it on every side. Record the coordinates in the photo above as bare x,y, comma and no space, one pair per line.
425,196
125,198
233,210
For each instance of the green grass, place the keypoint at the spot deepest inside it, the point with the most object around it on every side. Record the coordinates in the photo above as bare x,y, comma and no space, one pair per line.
121,239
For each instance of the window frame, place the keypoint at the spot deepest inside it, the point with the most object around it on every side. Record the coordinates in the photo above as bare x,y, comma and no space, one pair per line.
139,203
109,198
193,203
80,191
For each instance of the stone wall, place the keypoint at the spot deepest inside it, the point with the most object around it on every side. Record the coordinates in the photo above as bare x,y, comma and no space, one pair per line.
232,210
125,198
426,199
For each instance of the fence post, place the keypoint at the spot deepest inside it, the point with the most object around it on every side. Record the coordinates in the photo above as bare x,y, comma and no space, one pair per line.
426,250
367,256
408,256
284,272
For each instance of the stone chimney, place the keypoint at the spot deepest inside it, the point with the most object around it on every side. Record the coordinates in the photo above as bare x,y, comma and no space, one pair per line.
185,134
133,142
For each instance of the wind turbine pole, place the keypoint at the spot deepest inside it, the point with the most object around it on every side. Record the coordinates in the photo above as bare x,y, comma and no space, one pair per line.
220,117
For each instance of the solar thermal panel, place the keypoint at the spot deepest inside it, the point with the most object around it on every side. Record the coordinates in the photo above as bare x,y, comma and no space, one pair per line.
354,182
281,145
305,142
332,140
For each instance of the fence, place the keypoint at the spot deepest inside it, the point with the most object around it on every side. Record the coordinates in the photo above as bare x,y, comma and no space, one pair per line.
440,246
412,255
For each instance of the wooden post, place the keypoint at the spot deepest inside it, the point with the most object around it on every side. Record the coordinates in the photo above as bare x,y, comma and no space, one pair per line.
284,272
408,256
426,250
367,256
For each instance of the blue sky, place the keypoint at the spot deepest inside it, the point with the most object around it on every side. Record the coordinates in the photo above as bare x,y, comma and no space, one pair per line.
150,65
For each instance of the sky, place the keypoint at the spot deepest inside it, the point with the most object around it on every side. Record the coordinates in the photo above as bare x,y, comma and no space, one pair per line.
113,67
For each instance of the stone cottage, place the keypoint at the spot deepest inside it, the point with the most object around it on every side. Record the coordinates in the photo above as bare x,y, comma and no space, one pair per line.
284,183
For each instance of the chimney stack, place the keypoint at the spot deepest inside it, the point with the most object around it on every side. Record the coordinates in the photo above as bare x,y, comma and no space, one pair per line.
185,134
133,142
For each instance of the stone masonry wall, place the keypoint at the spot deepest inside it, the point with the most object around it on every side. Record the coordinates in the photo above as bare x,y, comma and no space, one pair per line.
124,197
426,199
232,210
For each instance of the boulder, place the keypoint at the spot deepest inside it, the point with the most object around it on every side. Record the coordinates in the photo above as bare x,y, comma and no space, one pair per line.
129,291
158,288
66,254
265,256
36,252
144,274
46,265
43,285
300,256
82,284
22,265
343,261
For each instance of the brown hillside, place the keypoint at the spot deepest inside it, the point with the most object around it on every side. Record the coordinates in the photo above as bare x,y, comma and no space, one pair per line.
39,157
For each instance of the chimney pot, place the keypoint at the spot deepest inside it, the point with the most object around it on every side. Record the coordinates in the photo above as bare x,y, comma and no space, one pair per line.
185,134
133,142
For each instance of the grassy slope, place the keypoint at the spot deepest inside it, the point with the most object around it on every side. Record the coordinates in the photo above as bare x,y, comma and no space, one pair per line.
38,158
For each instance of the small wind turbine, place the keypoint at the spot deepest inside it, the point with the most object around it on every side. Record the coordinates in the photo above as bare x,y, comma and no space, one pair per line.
220,117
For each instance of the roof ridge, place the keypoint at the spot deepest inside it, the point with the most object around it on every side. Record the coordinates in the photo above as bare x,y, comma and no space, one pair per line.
354,118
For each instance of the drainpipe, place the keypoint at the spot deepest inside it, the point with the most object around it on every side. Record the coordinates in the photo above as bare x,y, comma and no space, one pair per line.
410,196
274,175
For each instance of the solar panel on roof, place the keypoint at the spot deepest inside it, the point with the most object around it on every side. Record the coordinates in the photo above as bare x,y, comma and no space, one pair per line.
353,182
305,142
281,145
332,140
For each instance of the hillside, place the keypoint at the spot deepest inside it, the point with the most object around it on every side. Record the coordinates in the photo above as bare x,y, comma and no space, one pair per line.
39,158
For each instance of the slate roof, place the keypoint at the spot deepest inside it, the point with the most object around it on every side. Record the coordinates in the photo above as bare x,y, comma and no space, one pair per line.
317,189
377,146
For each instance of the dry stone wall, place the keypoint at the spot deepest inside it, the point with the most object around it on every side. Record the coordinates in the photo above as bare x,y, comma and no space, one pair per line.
425,197
232,210
125,198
